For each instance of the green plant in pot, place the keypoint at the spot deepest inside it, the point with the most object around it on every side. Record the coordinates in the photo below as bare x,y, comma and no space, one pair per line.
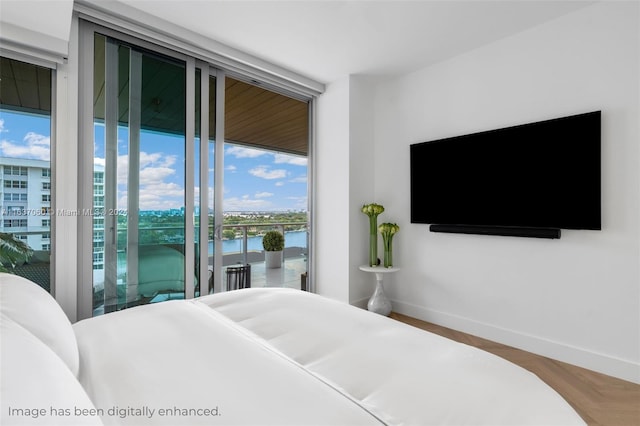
273,244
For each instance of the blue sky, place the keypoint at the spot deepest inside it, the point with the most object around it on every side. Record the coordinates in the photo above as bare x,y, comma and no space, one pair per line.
254,180
264,180
24,136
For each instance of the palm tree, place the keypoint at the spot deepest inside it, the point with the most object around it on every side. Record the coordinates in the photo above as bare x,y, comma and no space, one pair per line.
12,251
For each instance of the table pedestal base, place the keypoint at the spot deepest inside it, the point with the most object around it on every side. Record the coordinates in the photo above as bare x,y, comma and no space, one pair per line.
379,303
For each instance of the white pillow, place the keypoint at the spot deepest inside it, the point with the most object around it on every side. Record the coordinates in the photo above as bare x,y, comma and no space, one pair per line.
33,308
37,388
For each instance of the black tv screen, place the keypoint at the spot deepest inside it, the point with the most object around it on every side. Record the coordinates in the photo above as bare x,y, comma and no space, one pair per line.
538,175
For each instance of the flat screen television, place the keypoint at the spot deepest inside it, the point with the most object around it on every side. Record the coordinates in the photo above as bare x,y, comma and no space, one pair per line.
529,180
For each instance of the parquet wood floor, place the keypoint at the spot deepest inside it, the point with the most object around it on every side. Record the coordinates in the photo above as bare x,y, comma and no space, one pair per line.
601,400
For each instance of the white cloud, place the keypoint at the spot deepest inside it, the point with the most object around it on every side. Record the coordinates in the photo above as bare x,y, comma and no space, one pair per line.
264,173
35,139
264,194
245,204
294,160
230,168
158,159
242,152
123,200
154,168
123,169
164,189
154,175
159,196
279,183
2,129
35,146
299,202
155,193
299,179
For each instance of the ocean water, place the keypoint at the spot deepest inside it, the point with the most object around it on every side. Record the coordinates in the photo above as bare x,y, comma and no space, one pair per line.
291,239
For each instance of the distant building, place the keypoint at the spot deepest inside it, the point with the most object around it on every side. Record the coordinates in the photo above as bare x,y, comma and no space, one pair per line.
25,205
98,217
25,201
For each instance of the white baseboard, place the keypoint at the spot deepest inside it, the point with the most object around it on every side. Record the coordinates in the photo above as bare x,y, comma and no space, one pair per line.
361,303
602,363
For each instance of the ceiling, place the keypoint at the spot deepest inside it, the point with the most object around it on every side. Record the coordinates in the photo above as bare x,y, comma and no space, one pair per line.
327,40
322,40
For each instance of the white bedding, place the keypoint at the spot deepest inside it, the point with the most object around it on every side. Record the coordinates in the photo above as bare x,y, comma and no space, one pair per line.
258,356
401,374
185,355
281,356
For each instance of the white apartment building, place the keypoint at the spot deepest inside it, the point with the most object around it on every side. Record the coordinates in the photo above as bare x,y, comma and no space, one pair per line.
98,218
25,201
25,204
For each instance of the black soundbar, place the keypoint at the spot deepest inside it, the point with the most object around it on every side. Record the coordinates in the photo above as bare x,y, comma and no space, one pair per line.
508,231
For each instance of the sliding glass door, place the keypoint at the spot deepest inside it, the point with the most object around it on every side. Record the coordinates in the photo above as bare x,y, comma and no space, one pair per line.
139,176
163,132
265,181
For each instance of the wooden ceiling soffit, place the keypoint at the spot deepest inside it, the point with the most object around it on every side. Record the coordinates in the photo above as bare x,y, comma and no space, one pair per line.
258,117
254,116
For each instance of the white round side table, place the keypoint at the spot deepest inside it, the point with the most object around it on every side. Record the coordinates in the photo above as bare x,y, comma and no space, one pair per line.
379,303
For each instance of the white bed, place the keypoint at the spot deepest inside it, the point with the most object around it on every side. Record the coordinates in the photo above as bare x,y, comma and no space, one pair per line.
258,356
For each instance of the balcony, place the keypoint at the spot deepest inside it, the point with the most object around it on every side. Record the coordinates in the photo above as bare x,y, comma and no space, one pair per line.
246,249
295,254
162,248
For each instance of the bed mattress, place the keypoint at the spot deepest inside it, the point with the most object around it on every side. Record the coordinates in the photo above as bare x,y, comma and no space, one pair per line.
265,356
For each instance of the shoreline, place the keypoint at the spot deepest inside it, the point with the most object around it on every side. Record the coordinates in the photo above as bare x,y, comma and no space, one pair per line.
256,256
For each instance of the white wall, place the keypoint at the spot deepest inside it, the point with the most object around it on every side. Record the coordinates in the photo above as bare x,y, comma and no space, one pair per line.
362,175
575,299
331,194
344,163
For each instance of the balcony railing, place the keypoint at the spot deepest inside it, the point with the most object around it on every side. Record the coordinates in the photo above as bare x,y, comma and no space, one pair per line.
245,247
175,234
244,232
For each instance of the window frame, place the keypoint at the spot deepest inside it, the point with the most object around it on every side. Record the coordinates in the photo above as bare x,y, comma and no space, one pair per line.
29,56
149,39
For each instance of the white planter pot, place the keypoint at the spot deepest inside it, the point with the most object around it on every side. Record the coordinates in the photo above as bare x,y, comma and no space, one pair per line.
273,259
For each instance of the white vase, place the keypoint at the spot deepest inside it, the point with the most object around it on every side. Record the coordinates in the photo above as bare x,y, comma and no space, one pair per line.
273,259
